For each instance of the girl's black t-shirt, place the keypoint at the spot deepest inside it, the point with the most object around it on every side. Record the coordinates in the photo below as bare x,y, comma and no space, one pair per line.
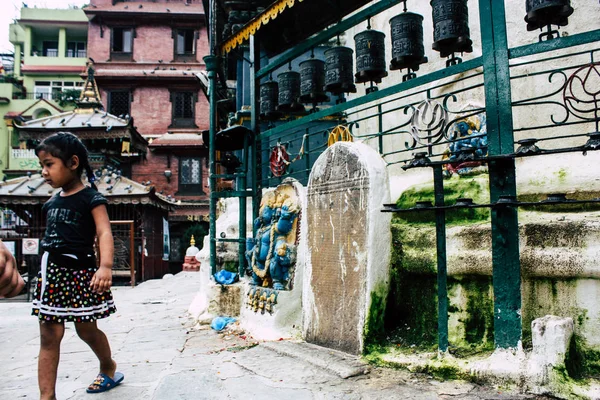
70,226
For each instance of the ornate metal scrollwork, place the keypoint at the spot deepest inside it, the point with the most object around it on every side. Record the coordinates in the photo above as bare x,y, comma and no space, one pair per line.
428,122
581,92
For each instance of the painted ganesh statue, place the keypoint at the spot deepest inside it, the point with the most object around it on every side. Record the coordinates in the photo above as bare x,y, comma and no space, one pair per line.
271,253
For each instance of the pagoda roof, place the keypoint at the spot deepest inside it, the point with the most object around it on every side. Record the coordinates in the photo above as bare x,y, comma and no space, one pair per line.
77,119
87,124
117,190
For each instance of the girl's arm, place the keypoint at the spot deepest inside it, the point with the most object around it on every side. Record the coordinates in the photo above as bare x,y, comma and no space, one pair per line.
102,279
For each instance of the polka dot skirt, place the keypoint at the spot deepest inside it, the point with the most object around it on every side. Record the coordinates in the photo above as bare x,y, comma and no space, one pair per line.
67,297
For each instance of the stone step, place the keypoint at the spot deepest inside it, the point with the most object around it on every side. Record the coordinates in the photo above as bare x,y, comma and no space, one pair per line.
339,363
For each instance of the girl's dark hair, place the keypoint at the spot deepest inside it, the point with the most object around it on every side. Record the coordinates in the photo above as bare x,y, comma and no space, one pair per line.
65,145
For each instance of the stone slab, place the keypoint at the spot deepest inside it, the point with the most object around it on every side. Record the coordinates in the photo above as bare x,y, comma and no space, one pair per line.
339,363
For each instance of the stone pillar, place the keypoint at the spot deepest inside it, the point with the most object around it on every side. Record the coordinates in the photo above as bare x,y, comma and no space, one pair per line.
551,339
17,62
349,245
28,44
62,42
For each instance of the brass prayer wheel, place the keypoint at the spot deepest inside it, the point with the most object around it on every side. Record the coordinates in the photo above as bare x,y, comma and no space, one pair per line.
541,13
407,41
312,81
451,27
289,92
339,75
370,56
269,93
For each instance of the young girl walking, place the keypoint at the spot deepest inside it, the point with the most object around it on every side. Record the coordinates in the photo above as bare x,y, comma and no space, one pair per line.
71,288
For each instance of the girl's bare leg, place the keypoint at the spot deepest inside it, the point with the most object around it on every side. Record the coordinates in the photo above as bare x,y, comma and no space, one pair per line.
96,339
51,335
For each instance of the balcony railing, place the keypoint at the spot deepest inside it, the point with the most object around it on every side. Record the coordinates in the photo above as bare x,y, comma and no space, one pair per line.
36,96
31,96
23,153
76,54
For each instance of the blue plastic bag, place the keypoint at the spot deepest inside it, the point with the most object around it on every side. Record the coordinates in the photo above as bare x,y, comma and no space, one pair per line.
219,323
225,277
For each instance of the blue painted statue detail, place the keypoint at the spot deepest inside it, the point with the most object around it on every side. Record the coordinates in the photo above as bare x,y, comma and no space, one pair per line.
271,254
470,138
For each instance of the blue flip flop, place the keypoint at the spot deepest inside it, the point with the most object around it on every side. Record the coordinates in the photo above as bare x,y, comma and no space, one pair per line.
104,383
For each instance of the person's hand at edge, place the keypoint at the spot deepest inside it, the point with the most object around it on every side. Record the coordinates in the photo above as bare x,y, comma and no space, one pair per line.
11,282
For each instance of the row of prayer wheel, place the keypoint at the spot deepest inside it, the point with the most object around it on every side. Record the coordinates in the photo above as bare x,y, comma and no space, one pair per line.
335,74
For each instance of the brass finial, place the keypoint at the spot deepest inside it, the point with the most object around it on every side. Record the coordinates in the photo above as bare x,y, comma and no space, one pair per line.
192,241
90,96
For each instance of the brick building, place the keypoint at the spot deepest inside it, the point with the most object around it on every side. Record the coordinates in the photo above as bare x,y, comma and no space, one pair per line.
147,56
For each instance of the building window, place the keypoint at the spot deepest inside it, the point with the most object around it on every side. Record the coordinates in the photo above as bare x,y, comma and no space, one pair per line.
185,43
119,102
122,43
183,104
54,90
50,48
76,50
190,176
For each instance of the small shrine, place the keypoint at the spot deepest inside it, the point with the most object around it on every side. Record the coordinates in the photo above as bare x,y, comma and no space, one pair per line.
190,263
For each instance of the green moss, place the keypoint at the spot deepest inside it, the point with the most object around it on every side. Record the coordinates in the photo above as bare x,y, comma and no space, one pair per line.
231,266
546,296
373,353
582,361
562,208
562,175
475,188
479,325
442,369
566,234
574,361
411,312
374,325
445,372
471,326
420,261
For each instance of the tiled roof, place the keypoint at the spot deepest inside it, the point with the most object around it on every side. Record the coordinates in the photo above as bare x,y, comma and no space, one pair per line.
151,72
87,124
131,7
178,140
79,118
29,110
53,69
117,190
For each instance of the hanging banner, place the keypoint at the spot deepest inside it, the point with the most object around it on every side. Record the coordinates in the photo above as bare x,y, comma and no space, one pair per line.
166,240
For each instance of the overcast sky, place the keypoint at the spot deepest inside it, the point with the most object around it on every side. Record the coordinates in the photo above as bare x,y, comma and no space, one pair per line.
11,9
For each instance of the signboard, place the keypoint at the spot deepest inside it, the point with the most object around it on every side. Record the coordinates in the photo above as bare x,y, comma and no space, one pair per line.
31,246
166,240
11,247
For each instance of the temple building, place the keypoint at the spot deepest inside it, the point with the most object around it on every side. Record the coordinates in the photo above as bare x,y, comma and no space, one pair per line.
148,64
136,211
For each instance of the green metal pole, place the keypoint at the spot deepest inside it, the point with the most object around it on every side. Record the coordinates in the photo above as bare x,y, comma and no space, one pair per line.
211,66
241,187
255,125
380,126
442,270
506,265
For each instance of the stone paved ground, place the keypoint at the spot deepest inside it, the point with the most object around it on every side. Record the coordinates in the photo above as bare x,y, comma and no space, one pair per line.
163,356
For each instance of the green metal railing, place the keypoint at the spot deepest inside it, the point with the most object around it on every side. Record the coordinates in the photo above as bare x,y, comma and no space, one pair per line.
402,140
